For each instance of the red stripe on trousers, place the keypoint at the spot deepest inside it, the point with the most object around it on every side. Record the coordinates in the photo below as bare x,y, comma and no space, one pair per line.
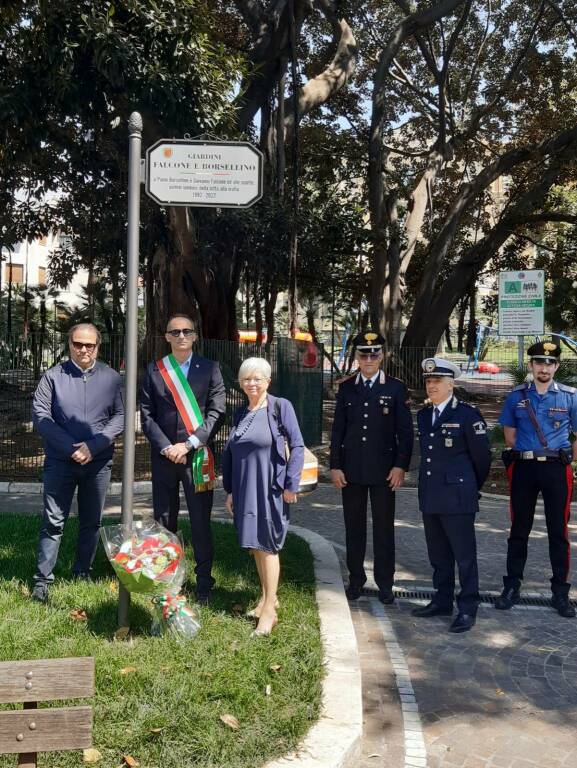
567,513
510,478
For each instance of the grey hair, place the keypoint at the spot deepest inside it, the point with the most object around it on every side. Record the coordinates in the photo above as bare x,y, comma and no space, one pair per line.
254,365
85,325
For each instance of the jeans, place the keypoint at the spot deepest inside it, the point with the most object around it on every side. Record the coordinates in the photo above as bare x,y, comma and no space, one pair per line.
61,478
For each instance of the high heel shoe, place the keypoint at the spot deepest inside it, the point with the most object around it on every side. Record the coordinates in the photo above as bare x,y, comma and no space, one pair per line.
263,632
254,615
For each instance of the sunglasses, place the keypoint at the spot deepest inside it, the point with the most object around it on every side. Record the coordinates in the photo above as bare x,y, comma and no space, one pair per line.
369,355
175,333
79,345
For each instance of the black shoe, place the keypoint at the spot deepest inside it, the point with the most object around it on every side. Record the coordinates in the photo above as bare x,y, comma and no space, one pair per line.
507,599
386,596
432,609
81,576
40,593
353,593
563,607
203,598
463,623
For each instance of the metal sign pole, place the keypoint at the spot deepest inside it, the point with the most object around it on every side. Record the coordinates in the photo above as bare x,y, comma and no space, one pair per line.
131,338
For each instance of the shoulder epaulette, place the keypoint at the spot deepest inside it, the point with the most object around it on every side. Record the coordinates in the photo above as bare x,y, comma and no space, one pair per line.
566,388
343,380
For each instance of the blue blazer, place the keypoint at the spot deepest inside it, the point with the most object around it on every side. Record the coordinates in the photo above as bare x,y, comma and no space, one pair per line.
455,459
161,422
286,474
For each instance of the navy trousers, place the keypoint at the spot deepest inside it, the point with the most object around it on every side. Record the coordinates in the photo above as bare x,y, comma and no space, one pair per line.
555,481
355,500
166,479
61,479
450,539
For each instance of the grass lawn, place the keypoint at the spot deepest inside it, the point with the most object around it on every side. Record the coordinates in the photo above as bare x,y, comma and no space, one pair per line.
166,711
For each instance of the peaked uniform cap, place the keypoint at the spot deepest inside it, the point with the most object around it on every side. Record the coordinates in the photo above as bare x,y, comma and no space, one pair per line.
436,366
368,341
546,351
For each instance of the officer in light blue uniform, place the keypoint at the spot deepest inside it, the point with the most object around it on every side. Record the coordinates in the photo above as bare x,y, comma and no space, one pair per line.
538,417
455,462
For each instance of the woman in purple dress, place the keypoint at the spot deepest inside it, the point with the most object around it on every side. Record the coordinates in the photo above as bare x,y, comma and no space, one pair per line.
259,480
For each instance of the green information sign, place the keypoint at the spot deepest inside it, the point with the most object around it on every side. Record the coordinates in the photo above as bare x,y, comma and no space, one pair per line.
521,303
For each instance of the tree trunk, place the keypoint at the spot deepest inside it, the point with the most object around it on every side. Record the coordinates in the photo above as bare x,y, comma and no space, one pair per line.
311,323
461,330
448,338
472,326
257,311
269,309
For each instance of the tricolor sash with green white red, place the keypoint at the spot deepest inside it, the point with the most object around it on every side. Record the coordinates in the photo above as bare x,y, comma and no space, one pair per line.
188,410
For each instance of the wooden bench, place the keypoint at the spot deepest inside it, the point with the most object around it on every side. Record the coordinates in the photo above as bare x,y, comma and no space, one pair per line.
31,730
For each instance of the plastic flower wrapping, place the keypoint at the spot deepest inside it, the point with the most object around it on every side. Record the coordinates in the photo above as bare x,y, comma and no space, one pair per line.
148,559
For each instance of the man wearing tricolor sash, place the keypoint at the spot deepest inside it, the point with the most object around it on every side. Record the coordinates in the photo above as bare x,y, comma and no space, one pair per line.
182,406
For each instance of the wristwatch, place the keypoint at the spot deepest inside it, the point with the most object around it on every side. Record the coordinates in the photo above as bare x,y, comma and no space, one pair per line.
189,443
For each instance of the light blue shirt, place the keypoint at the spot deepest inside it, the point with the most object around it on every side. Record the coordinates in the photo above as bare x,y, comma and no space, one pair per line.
184,367
556,412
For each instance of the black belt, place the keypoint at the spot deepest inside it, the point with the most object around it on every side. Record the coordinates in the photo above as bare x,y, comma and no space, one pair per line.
541,455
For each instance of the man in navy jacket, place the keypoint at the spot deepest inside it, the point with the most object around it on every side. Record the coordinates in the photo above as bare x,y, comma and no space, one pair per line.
371,446
455,462
171,443
78,410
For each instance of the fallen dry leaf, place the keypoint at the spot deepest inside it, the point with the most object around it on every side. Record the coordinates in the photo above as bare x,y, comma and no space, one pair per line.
275,667
268,690
130,761
164,669
91,755
499,692
237,608
113,586
127,670
375,754
78,614
156,731
231,721
121,633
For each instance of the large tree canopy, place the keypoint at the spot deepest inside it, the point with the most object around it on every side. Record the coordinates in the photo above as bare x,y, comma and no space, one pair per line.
449,125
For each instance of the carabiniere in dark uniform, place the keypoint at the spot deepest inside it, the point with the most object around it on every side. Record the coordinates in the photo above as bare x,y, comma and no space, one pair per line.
372,434
455,462
538,418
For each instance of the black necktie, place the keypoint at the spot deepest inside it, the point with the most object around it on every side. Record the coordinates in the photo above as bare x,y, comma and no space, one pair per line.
437,413
368,384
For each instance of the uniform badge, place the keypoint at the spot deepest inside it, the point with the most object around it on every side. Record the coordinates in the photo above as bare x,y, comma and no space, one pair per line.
448,442
429,365
370,337
480,428
557,424
385,410
548,347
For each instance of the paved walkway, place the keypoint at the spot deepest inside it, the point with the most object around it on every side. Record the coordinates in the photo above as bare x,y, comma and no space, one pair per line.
501,696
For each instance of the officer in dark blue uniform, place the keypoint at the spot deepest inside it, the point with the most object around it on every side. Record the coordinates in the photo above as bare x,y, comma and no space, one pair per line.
537,418
371,446
455,462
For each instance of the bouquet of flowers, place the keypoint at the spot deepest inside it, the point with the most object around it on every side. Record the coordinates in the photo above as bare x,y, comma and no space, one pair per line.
148,559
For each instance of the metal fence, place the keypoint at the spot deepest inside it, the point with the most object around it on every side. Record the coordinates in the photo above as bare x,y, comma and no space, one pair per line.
296,374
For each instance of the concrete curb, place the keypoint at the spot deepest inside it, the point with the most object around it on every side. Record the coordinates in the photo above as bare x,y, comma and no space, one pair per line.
335,740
